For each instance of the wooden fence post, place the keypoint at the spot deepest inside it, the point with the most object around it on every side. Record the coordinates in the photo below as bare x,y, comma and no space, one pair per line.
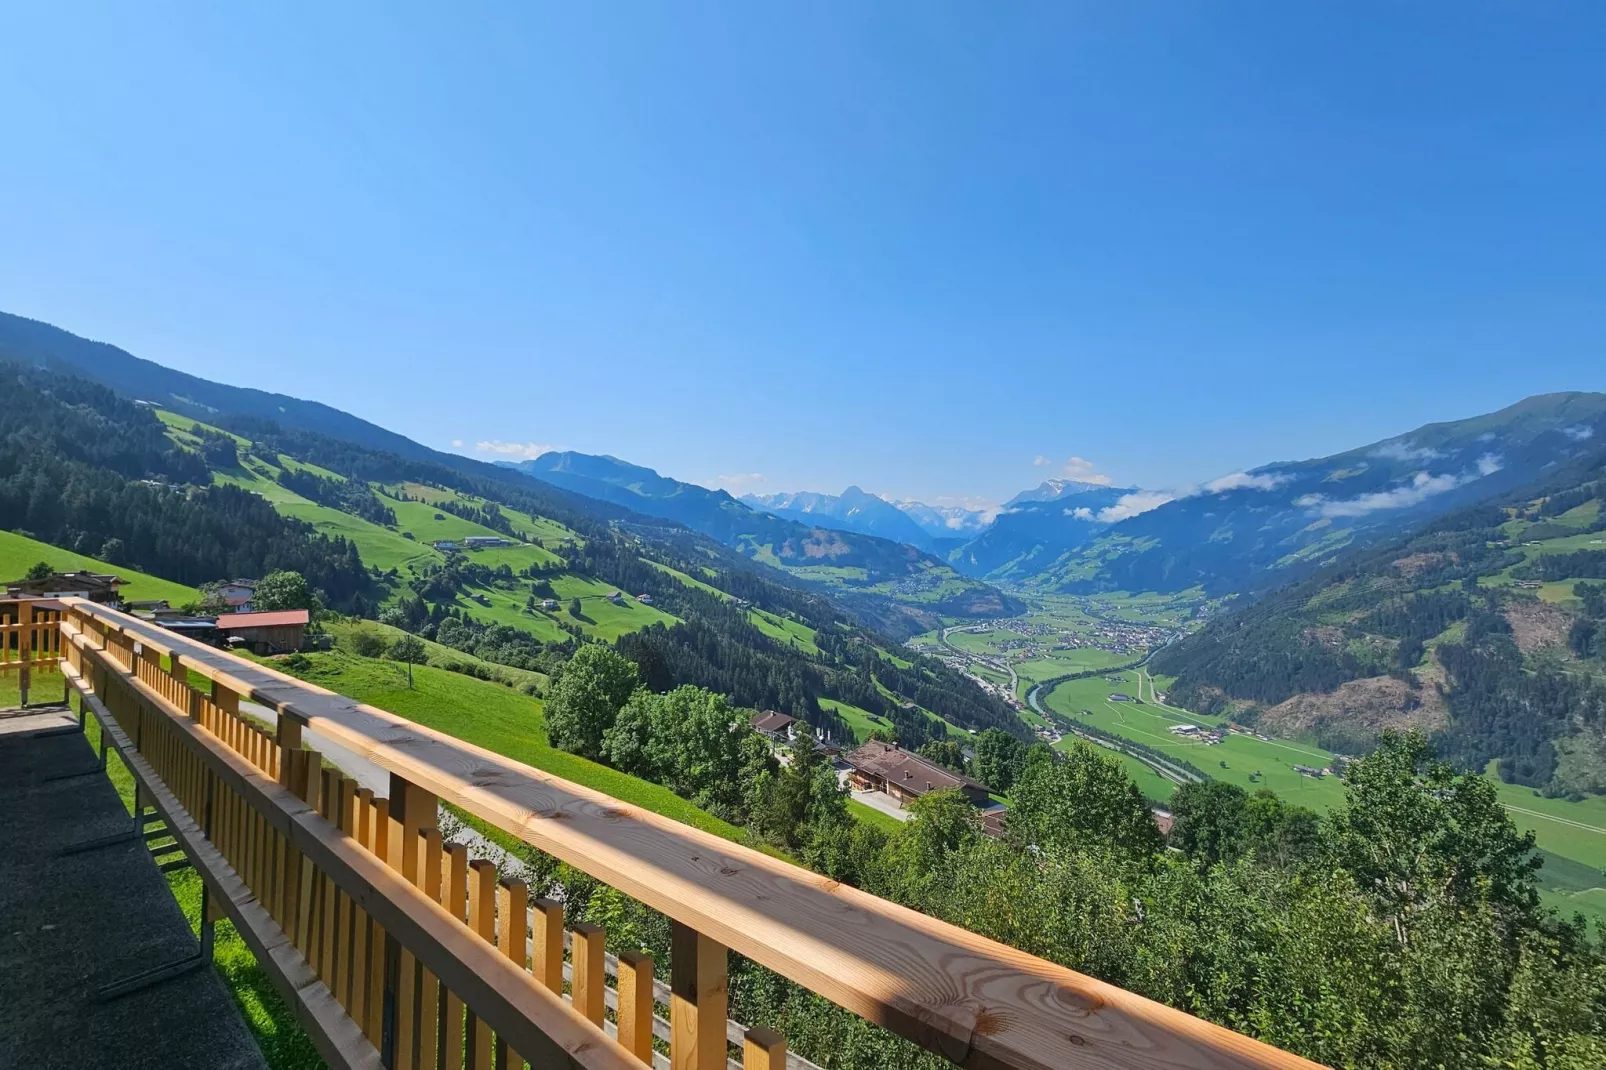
587,986
635,1004
697,1000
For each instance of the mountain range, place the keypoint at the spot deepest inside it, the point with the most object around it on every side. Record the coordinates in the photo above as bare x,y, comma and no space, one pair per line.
1482,626
904,564
898,586
852,510
1245,531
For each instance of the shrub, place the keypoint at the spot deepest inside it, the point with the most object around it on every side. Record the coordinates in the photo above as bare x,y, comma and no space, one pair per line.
366,644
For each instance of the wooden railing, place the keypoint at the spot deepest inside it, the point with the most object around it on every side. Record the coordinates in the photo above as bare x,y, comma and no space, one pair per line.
30,641
397,950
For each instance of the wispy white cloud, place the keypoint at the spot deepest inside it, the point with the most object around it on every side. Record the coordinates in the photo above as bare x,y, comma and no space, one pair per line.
1401,450
1579,432
1080,512
1418,489
526,450
1247,481
457,443
1130,505
1078,468
739,482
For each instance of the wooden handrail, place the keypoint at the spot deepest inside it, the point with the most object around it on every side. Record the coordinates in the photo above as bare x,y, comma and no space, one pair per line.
977,1002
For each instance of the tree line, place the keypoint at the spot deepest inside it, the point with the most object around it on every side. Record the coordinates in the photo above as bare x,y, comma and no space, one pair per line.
1402,930
86,470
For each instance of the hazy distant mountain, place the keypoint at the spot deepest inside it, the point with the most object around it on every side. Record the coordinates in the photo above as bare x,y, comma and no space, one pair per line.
852,510
1270,524
900,587
1054,489
1038,526
946,522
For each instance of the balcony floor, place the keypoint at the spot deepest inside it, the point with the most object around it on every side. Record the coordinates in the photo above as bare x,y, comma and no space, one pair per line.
71,924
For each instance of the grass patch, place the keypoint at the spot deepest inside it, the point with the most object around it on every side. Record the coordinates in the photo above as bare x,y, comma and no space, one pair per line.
496,718
1250,763
345,630
860,720
869,815
18,553
785,631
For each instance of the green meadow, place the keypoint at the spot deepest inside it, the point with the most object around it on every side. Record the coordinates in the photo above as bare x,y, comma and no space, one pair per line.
1571,834
1238,759
491,716
784,630
18,553
862,721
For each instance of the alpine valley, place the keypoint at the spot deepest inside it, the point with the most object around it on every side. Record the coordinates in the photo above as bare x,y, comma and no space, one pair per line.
1261,629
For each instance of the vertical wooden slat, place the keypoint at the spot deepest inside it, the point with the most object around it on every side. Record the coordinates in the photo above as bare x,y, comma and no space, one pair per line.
411,810
546,958
635,1004
482,919
327,898
697,1000
363,832
289,741
586,953
374,1023
456,890
512,939
763,1049
307,878
429,992
345,909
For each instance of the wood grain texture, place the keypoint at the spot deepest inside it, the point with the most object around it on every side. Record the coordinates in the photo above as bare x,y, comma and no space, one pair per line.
588,985
698,1000
635,1004
979,1003
763,1049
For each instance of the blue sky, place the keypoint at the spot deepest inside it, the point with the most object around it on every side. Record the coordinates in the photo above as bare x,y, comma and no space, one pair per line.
914,246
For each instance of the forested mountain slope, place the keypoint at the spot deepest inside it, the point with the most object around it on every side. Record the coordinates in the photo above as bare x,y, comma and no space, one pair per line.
1037,528
888,585
1484,627
86,470
1251,530
33,342
899,588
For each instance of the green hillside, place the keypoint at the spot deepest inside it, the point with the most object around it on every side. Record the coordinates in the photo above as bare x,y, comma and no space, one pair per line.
18,553
491,716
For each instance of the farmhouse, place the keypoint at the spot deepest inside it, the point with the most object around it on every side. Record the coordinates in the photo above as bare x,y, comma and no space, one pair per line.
266,633
549,603
90,585
445,544
236,594
644,599
905,776
615,597
777,726
485,542
1121,696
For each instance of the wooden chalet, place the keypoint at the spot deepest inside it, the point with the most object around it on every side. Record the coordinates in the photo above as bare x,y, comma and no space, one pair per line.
91,585
282,632
906,776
